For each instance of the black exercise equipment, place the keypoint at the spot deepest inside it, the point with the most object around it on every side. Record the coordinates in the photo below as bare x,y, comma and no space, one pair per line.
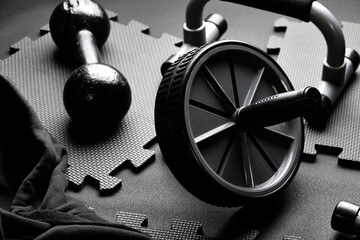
346,219
221,134
95,94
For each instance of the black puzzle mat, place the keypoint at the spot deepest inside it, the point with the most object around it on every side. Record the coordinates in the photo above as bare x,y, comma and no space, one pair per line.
179,229
302,52
40,74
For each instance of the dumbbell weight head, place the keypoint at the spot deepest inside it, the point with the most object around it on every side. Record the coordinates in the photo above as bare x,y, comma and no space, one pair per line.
95,94
70,17
99,101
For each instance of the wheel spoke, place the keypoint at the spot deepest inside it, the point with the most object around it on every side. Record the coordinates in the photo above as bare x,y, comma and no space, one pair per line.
209,109
218,90
279,133
247,161
233,80
263,153
214,132
253,87
226,155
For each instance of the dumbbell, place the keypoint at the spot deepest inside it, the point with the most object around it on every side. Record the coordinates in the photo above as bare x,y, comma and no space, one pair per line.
214,132
95,94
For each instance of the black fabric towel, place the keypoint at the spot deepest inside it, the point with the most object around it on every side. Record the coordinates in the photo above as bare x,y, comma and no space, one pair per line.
33,199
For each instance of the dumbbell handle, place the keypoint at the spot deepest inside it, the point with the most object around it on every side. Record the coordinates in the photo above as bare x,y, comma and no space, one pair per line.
278,108
86,50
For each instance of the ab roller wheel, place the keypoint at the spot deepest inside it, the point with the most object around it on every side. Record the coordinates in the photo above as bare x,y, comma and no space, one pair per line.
201,135
227,118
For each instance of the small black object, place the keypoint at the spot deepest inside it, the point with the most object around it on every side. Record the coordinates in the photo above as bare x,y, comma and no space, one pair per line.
346,218
95,94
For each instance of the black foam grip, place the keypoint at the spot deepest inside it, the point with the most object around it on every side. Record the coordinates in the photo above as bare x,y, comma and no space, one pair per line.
299,9
279,108
319,118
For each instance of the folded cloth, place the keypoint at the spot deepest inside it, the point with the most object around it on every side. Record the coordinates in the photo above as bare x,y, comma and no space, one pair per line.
33,199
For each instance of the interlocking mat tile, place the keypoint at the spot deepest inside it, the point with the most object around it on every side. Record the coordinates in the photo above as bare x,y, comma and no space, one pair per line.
179,230
40,73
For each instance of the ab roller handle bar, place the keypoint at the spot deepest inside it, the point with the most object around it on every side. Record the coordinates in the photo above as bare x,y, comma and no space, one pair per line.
226,115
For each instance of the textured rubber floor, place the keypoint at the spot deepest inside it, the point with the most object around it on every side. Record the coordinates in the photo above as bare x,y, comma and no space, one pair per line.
40,74
302,51
292,238
179,229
